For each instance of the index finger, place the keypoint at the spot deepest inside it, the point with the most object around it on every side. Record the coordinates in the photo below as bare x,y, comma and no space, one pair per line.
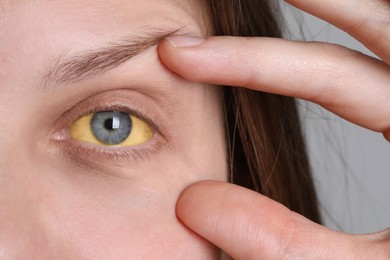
348,83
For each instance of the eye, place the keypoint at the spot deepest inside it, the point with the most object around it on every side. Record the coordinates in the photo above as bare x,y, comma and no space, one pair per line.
111,128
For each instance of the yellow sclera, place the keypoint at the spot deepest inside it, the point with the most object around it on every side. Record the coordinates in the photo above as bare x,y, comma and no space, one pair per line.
140,133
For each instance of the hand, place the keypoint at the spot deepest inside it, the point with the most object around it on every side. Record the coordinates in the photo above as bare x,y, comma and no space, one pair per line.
346,82
246,224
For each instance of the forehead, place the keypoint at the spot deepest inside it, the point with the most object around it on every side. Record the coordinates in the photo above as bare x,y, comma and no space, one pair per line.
95,13
35,32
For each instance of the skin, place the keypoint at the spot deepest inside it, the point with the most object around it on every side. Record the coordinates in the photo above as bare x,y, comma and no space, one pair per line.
346,82
58,202
61,200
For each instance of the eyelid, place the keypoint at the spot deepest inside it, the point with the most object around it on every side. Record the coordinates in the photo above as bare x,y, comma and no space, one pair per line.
113,101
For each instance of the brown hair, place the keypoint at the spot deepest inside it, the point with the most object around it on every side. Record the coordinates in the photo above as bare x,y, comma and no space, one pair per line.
267,150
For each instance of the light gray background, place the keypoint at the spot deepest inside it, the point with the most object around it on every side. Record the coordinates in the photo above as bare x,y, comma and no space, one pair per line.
351,165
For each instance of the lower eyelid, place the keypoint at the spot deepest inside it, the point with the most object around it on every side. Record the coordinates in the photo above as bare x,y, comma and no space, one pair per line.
94,154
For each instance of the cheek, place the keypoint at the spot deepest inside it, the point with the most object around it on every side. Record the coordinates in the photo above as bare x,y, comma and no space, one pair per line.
120,221
100,217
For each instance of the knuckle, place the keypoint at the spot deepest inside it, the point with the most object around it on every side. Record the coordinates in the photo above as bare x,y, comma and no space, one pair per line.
340,53
332,70
328,70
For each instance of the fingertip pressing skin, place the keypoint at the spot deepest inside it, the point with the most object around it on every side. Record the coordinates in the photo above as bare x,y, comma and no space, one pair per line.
178,60
207,61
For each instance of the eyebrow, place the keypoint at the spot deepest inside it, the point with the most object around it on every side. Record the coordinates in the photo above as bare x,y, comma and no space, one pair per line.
88,64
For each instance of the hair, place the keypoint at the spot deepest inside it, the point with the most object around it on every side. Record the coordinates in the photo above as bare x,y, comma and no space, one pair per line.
266,147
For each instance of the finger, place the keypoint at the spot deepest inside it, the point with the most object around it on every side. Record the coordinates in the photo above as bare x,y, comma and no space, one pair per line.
247,225
367,21
348,83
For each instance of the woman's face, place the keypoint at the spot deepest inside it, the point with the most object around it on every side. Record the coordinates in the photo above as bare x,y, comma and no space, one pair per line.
104,186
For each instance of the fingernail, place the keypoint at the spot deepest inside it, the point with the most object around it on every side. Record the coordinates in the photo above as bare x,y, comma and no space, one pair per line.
185,41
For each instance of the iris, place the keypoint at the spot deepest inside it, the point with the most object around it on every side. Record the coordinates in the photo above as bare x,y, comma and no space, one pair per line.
111,127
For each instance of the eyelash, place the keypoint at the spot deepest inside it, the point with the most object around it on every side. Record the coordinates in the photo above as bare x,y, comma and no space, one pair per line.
78,150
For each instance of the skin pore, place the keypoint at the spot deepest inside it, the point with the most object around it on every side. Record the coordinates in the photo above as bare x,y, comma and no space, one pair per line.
69,199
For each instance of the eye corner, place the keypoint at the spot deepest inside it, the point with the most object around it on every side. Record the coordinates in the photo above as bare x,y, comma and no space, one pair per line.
59,136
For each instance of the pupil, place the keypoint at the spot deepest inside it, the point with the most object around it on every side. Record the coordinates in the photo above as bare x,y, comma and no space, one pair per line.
108,124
